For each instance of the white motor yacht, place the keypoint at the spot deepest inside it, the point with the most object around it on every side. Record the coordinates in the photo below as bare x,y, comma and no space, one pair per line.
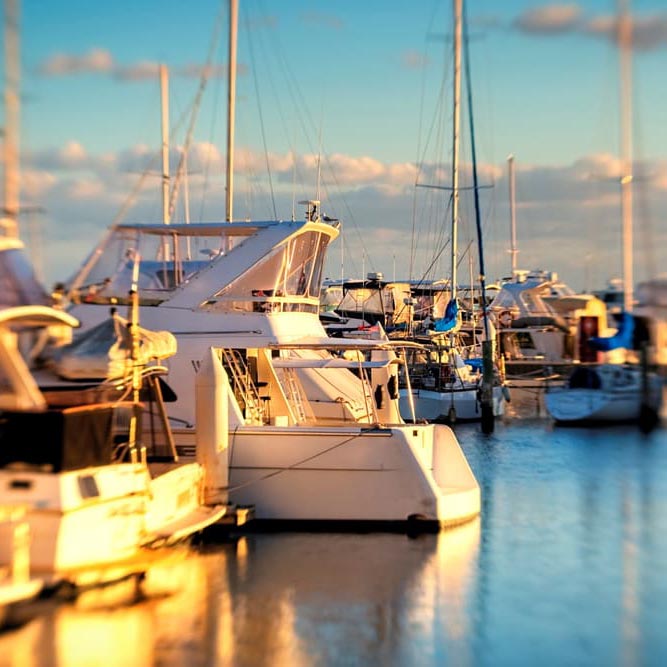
309,425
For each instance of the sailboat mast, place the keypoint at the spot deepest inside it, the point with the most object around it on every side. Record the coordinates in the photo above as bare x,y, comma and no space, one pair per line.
625,56
458,11
10,212
164,99
231,106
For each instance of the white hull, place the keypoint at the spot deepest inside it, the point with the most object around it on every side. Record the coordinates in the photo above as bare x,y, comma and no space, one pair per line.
607,393
437,405
352,474
93,525
573,405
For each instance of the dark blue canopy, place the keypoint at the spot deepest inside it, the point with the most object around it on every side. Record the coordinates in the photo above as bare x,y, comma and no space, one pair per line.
621,339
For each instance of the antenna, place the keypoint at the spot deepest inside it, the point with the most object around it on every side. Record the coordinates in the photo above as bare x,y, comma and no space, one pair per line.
319,165
513,248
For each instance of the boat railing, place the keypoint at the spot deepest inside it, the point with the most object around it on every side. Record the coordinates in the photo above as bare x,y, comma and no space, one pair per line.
243,385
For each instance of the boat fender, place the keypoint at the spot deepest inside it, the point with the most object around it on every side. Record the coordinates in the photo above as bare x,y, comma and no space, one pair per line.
392,387
379,397
506,393
451,415
505,318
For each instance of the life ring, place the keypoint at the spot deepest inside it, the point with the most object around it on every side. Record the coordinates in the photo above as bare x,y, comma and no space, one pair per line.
505,318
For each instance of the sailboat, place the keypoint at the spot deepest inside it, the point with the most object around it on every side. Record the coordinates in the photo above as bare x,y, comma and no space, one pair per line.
308,426
73,460
613,392
448,387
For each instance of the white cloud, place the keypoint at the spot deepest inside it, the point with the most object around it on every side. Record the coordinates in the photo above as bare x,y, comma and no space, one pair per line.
61,64
648,32
101,61
138,71
85,189
550,19
577,202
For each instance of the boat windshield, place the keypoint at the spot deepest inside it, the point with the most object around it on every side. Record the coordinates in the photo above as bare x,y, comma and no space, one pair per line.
167,258
284,279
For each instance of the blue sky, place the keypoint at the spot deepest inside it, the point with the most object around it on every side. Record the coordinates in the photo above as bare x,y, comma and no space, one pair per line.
358,83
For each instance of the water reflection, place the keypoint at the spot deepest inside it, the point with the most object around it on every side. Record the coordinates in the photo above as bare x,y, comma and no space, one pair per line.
567,566
287,599
572,567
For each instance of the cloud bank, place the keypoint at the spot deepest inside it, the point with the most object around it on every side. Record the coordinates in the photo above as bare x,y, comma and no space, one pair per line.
568,215
649,32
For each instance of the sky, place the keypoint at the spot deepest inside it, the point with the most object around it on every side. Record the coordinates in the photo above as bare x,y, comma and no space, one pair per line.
349,102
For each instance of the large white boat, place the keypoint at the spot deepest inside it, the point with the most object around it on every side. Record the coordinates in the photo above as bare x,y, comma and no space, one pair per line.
309,424
73,459
73,456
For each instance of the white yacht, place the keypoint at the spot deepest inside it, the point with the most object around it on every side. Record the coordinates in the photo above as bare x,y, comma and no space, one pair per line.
73,455
309,425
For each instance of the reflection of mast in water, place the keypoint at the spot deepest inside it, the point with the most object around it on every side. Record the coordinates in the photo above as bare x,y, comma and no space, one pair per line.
629,634
444,605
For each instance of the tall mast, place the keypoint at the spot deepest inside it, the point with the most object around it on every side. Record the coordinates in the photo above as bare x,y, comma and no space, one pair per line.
231,105
10,212
625,55
513,248
164,97
458,10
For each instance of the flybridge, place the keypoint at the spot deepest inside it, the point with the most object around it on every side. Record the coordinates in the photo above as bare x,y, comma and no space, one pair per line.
267,266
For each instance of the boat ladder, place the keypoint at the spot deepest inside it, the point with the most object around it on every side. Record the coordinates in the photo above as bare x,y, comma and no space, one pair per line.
292,390
243,384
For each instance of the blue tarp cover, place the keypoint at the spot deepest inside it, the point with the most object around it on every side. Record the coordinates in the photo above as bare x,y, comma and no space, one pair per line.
621,339
450,318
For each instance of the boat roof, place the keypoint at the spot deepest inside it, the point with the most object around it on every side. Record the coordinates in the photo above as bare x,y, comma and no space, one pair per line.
209,228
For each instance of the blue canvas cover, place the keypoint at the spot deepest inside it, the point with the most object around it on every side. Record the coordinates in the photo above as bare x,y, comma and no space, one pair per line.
621,339
450,319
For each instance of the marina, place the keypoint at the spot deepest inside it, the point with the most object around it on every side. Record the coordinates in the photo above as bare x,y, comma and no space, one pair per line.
228,438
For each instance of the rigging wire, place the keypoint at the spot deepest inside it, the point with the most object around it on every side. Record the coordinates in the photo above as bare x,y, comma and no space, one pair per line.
253,66
205,75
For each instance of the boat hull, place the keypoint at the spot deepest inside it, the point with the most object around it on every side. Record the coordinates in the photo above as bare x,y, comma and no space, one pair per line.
96,525
437,405
580,405
389,475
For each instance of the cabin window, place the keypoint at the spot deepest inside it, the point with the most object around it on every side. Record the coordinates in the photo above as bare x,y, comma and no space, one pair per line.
291,270
166,261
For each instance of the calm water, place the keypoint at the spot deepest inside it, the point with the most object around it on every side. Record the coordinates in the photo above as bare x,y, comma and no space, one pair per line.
568,566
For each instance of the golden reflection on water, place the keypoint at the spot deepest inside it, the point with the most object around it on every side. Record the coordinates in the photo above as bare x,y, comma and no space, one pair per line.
442,605
266,600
